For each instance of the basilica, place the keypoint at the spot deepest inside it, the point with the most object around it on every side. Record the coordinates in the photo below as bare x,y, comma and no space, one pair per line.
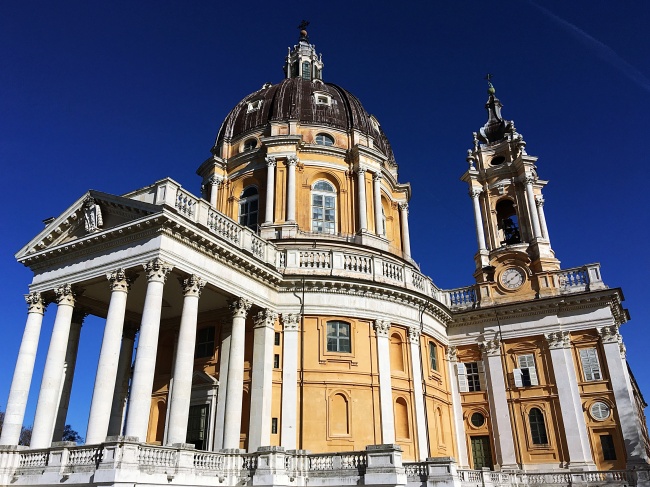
276,330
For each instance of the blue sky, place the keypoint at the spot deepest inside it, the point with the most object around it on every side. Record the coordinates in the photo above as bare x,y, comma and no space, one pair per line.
116,95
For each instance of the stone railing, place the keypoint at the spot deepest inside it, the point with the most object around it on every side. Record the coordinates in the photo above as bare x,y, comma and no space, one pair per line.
579,279
486,478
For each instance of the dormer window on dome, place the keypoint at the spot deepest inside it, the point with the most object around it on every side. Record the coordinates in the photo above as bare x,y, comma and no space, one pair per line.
250,144
322,99
254,105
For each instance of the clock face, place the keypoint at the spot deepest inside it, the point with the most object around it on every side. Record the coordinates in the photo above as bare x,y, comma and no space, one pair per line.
512,278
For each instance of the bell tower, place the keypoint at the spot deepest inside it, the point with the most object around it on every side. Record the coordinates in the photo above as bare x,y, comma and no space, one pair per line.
514,246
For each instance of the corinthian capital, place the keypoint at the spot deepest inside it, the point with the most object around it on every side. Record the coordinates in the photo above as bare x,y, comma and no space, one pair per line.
290,321
376,177
35,303
610,334
490,348
529,179
215,180
119,280
558,339
414,335
157,270
192,286
266,319
292,160
64,295
539,200
382,327
452,353
270,161
240,307
475,193
404,207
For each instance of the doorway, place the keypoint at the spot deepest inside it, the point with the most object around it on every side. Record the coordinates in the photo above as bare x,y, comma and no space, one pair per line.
481,452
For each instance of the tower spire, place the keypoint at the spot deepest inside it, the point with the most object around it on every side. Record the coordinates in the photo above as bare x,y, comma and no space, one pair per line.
302,61
496,127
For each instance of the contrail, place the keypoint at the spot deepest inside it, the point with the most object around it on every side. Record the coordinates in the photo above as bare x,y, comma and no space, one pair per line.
602,50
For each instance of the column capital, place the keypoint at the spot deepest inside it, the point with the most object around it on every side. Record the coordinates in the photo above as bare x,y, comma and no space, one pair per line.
240,307
403,207
192,286
539,200
119,280
64,295
610,334
474,192
291,160
529,179
270,161
35,303
291,321
266,319
157,270
452,353
215,180
558,339
414,335
361,170
377,177
490,348
382,328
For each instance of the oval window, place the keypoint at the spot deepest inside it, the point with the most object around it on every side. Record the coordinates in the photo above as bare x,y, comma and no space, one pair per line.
498,160
599,410
250,144
324,139
477,420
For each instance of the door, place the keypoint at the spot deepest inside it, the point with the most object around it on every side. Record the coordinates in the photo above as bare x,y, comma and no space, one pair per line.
481,452
197,427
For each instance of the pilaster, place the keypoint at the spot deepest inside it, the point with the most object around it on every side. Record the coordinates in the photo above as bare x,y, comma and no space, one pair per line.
382,329
289,428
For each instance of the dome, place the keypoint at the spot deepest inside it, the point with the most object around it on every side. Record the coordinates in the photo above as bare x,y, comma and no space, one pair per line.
310,102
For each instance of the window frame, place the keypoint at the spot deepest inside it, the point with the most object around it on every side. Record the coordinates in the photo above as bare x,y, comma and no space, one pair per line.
329,227
338,337
324,139
244,202
433,356
253,106
538,430
249,144
526,374
590,364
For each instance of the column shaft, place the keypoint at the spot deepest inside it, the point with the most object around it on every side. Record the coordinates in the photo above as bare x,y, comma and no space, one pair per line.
478,220
22,379
289,429
532,210
291,189
224,358
123,376
406,238
542,218
270,189
137,420
385,387
234,388
262,380
361,191
184,363
379,227
457,410
420,418
48,397
215,182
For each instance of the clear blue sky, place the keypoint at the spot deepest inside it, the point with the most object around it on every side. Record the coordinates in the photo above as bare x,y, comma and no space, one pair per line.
116,95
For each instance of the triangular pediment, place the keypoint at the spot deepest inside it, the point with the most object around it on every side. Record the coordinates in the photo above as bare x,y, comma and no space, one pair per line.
201,379
92,213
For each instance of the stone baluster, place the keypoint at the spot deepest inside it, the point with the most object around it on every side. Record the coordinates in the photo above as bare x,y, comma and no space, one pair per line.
234,387
137,420
215,181
289,430
262,380
478,219
416,368
292,161
22,379
361,191
270,189
532,209
376,184
457,408
184,363
382,328
68,372
48,397
121,391
406,237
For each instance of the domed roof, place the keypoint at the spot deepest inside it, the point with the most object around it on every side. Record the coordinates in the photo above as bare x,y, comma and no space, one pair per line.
297,99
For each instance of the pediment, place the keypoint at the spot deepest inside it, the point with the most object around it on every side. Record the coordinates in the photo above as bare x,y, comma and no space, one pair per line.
201,379
92,213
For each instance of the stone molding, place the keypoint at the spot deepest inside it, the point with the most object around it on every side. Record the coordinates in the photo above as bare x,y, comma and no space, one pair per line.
119,280
290,321
35,303
558,339
240,307
382,327
192,286
414,335
266,319
610,334
64,295
452,353
490,348
270,161
361,171
157,270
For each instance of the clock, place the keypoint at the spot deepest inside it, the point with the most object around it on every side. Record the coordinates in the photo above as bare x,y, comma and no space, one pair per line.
512,278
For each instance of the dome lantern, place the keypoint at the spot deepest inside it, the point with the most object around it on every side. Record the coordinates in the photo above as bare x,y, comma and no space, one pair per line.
302,61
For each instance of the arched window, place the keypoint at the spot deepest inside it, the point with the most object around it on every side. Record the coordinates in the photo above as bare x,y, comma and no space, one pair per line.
537,427
324,139
339,424
248,204
323,208
402,430
338,337
507,222
396,353
250,144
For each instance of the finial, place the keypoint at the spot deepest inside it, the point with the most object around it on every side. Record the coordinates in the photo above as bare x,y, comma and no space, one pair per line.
303,30
491,90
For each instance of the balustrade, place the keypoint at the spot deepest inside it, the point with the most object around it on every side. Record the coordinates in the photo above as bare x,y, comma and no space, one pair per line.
357,263
208,461
85,456
185,203
315,260
224,227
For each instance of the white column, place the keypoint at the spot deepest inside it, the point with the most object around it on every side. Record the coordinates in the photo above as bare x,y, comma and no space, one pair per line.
361,191
573,419
532,210
262,380
215,182
478,220
234,388
109,355
404,219
137,420
22,379
291,188
48,397
416,367
289,420
382,328
457,409
224,357
184,363
499,409
68,373
376,191
624,396
270,189
123,376
539,202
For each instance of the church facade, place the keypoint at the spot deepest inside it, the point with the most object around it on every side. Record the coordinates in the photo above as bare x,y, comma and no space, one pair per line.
275,330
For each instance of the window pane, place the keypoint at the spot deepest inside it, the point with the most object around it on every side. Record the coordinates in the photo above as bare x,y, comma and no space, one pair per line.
317,200
329,201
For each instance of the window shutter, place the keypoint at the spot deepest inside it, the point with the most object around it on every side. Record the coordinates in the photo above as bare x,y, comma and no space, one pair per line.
518,380
461,372
481,375
533,376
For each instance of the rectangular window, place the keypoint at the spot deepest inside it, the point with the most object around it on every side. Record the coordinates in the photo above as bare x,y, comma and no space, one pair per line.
204,342
276,340
276,361
590,364
473,377
433,356
338,337
274,426
526,374
607,444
